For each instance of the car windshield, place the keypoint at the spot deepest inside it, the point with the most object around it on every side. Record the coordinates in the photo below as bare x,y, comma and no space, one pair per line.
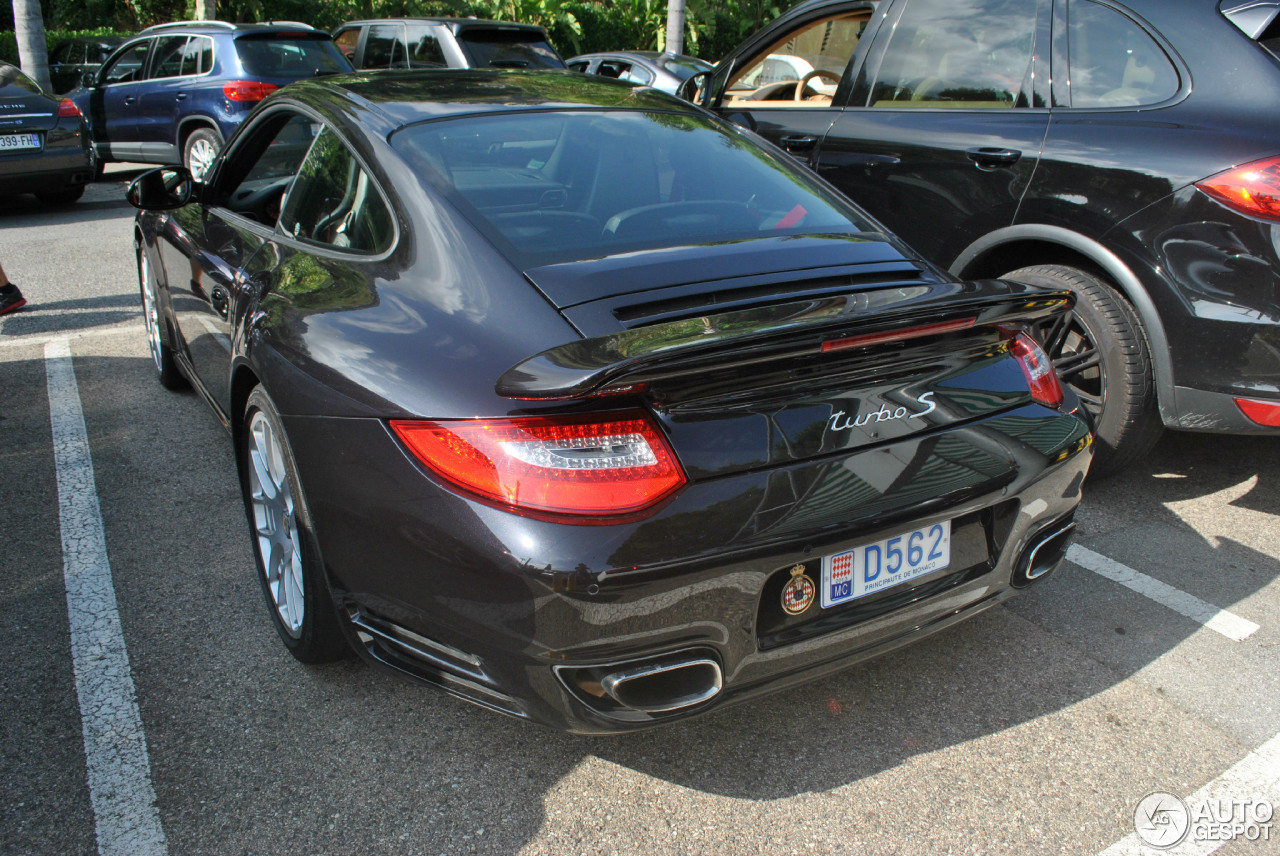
13,83
563,186
507,49
290,55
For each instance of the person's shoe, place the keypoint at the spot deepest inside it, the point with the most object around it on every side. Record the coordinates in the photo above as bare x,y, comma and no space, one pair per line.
11,299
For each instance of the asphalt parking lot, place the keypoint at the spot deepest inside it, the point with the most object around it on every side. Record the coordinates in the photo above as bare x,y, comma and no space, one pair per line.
149,707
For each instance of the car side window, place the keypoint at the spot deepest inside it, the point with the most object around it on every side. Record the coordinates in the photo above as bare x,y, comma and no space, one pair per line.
333,201
385,47
579,66
197,56
1113,62
256,175
127,67
802,69
424,48
347,41
621,70
945,54
168,61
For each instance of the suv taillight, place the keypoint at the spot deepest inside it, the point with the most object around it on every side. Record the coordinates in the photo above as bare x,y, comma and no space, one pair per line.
598,465
247,90
1252,189
67,109
1038,370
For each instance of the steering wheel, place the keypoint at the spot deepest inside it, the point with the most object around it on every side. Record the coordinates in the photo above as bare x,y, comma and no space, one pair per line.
817,72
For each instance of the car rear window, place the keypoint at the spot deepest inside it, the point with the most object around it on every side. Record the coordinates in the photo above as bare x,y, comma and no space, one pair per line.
487,48
563,186
13,83
290,55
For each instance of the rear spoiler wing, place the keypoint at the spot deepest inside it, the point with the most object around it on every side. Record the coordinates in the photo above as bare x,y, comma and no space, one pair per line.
624,362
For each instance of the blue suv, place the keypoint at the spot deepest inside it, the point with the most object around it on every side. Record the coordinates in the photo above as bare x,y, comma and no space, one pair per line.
175,92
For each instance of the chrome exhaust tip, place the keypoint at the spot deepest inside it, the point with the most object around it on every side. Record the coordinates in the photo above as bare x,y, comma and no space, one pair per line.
664,686
1047,551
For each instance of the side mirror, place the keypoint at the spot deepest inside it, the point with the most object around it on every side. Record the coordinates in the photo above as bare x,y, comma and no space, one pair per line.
162,189
89,79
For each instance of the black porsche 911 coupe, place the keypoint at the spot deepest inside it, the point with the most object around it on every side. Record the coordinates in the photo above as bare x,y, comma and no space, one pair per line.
586,406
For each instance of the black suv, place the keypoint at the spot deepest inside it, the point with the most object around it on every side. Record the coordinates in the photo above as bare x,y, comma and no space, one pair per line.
176,91
445,43
1122,150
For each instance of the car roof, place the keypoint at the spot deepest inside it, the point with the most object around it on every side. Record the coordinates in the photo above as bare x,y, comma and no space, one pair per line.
211,27
421,95
455,23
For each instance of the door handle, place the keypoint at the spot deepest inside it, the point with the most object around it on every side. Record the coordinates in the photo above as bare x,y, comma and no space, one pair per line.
181,96
129,99
220,302
991,157
797,143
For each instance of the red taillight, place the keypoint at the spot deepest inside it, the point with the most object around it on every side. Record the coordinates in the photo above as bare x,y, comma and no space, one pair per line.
68,109
617,463
1263,412
1037,369
247,90
1252,189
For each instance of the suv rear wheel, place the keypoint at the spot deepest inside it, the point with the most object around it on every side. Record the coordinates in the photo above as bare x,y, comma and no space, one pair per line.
198,152
1100,351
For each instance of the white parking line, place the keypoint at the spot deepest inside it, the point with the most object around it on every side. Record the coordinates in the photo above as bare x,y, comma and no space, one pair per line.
115,747
1255,777
1227,623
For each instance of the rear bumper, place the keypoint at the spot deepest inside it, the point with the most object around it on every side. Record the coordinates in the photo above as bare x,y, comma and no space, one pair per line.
524,615
64,162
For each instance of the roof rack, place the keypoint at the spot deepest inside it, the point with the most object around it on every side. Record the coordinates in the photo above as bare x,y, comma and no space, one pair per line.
226,24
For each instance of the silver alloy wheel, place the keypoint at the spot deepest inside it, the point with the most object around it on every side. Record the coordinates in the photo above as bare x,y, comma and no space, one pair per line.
276,524
200,157
151,311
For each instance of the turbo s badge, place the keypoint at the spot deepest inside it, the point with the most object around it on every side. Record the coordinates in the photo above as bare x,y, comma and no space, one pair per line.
798,593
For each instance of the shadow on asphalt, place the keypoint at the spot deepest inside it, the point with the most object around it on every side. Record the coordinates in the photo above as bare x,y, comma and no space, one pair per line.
268,712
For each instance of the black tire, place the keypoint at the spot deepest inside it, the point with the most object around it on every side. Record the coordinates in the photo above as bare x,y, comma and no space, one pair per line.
292,576
198,151
158,335
1100,351
61,197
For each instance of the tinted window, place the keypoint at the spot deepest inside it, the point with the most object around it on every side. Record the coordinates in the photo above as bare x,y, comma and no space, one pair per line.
197,57
168,61
424,48
1113,62
957,53
684,66
384,47
255,176
13,83
562,186
290,55
507,49
621,70
128,66
333,201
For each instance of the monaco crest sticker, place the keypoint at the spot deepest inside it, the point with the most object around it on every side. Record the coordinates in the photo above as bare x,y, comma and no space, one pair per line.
798,593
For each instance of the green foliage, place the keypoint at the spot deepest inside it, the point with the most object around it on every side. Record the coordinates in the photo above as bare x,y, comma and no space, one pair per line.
713,27
53,38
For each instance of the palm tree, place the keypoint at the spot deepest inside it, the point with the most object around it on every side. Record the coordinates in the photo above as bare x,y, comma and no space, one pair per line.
29,28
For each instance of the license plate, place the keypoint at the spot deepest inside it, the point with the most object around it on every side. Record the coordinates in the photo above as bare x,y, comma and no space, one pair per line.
875,567
11,142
